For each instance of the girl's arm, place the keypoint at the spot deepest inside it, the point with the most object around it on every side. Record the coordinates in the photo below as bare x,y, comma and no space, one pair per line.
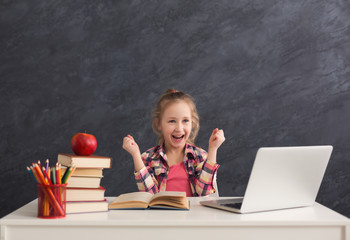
206,170
144,176
216,139
146,181
205,177
131,146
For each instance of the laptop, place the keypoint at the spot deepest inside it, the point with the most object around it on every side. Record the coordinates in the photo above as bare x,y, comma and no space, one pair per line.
281,178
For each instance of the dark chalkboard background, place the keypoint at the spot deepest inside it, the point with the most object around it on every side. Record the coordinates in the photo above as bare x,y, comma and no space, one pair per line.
270,73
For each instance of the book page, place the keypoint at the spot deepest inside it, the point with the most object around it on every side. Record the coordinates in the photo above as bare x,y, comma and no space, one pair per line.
169,194
170,199
134,196
136,200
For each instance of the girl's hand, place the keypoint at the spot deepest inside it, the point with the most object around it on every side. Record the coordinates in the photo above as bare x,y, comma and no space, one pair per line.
216,139
131,146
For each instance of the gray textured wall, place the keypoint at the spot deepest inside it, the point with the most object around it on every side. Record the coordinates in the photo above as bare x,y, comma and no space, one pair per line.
270,73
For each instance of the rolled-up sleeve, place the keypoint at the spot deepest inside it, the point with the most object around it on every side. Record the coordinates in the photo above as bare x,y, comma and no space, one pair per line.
145,180
204,182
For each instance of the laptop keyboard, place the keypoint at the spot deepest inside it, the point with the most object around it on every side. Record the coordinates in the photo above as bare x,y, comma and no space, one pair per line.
233,205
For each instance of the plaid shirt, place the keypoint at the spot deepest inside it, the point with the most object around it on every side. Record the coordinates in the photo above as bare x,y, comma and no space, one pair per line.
153,177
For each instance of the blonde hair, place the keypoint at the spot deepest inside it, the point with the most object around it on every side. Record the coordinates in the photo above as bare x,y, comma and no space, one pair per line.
171,96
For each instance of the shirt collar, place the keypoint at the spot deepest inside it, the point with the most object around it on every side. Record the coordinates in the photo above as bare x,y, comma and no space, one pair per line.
161,151
188,150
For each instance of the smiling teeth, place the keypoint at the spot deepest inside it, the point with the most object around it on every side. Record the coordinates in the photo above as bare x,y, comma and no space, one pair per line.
178,137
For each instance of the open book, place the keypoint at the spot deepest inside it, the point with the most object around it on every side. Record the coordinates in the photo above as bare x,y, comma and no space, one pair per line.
144,200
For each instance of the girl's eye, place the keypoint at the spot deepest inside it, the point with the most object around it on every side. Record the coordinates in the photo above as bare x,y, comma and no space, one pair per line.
186,120
172,121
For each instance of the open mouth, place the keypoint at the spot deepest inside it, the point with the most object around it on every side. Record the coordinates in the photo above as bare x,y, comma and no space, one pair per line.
178,138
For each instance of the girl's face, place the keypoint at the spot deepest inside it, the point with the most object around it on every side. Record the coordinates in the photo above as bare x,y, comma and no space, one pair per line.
176,125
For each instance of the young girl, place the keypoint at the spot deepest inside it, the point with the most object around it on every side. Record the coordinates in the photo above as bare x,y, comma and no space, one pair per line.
176,164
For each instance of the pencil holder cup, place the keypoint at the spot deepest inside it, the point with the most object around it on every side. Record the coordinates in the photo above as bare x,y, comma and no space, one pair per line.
52,200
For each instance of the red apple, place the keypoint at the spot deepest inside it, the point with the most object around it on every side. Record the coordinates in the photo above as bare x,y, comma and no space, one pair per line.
83,144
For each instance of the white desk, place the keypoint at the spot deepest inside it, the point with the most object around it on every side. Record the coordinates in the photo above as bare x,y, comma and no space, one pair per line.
317,222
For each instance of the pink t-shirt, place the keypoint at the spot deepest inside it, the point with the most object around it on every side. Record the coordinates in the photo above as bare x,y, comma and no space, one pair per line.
178,179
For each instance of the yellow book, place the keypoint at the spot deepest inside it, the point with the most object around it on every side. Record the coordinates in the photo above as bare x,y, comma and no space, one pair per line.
84,182
85,172
144,200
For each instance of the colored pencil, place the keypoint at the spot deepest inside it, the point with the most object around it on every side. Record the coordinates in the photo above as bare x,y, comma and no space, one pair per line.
35,175
53,175
59,174
47,176
66,173
31,173
56,171
49,171
70,174
40,174
47,165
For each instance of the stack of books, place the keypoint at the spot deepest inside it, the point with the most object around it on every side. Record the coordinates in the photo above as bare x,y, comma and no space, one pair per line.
84,192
